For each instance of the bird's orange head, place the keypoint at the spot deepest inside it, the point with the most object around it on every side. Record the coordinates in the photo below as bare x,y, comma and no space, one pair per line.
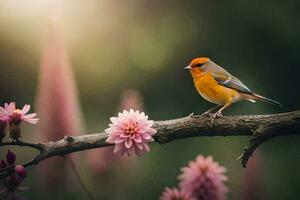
196,64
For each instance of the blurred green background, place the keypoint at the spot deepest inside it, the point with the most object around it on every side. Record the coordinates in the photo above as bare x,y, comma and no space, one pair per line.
144,45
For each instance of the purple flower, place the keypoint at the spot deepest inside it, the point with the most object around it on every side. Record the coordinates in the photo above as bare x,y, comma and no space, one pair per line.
15,178
130,132
204,179
174,194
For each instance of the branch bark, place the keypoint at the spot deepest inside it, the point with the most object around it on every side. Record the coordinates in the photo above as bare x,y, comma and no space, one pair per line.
260,127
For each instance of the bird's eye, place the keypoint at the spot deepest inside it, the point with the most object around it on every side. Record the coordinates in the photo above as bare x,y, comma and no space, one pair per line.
199,65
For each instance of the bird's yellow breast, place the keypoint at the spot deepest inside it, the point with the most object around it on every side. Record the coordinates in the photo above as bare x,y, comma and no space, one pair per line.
210,90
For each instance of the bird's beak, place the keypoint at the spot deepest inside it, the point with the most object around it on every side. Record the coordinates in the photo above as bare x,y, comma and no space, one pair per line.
188,67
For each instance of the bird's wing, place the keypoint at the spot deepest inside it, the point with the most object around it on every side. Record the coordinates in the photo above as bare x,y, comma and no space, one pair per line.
231,82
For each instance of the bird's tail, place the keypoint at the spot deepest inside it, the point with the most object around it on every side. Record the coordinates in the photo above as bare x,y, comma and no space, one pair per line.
255,96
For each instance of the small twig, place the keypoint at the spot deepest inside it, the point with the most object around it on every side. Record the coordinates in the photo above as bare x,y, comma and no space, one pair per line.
39,146
249,150
78,177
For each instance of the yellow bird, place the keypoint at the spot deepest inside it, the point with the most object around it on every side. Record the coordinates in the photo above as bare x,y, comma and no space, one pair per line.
218,86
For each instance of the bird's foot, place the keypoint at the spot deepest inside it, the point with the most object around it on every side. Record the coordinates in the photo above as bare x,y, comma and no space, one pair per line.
213,117
206,114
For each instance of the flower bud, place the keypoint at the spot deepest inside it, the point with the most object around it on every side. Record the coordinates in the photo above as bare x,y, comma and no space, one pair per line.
10,158
20,171
3,164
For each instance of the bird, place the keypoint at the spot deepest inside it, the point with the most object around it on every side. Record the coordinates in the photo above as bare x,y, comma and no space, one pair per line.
218,86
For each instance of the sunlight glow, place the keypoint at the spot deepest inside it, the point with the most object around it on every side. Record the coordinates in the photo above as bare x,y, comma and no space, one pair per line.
34,8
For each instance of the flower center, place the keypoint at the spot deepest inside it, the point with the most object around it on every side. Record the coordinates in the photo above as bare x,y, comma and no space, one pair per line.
204,168
16,116
132,129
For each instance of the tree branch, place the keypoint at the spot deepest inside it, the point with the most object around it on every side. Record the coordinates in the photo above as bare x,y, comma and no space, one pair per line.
260,127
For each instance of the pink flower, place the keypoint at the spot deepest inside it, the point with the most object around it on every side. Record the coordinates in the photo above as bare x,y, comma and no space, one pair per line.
174,194
204,179
130,132
13,115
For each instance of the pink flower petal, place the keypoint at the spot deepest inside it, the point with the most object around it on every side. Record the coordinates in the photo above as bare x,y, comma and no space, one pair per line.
140,146
119,140
146,147
3,111
124,135
32,115
137,138
112,138
131,112
152,131
117,148
175,194
128,143
32,120
10,108
146,136
114,120
25,109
